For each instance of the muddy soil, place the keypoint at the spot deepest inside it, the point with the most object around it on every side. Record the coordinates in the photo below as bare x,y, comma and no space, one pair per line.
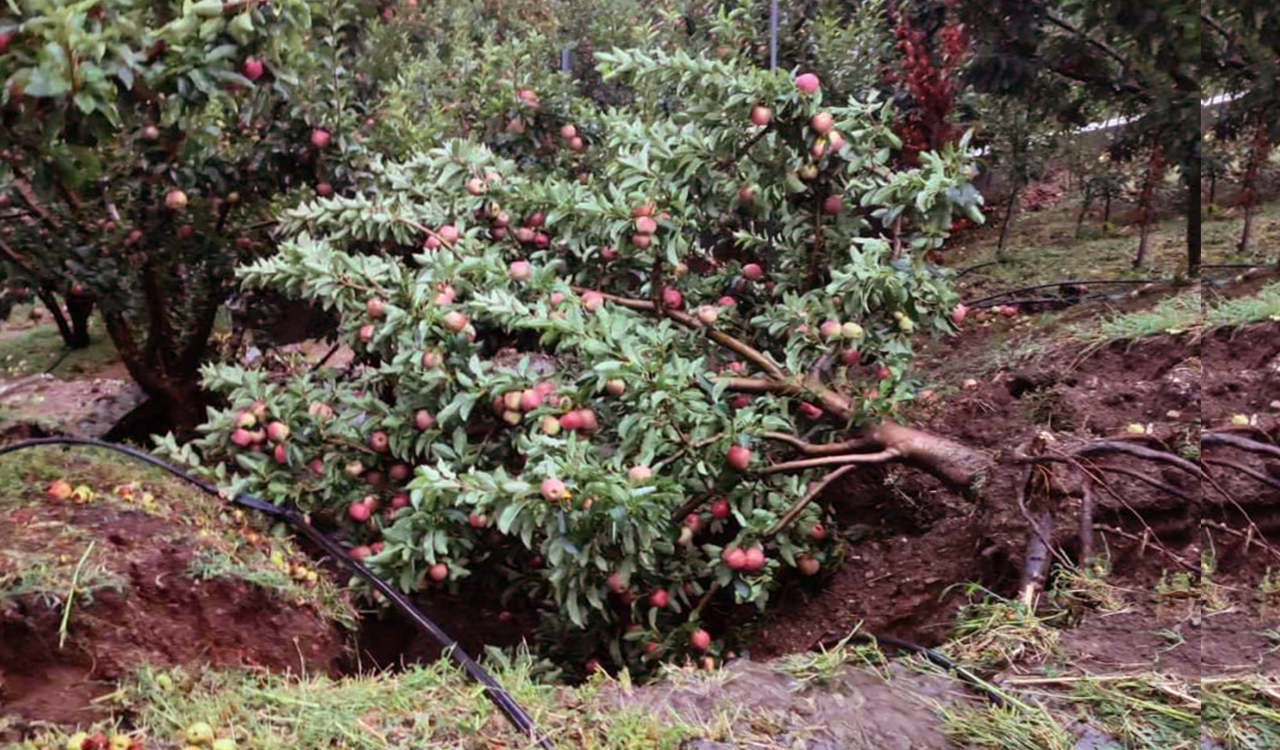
138,603
852,709
918,539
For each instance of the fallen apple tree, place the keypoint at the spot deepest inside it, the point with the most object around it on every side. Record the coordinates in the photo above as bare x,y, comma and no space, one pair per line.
607,378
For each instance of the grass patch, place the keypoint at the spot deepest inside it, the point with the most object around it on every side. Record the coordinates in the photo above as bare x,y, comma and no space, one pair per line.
825,666
1243,713
1234,313
35,350
1172,315
270,570
993,633
1005,728
1148,712
422,706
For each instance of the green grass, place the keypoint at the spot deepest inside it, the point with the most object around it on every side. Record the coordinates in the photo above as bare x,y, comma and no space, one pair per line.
1243,713
36,349
1172,315
823,667
1006,728
1220,234
420,707
1234,313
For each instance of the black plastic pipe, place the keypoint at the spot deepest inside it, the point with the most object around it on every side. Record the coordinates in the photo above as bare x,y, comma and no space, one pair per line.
292,516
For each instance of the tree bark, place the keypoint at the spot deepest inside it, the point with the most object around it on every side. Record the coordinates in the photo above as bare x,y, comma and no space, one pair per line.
1155,171
1084,210
1258,154
1193,222
79,308
1008,219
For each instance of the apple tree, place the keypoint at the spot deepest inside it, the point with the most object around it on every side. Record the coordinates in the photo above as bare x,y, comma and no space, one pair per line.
142,147
619,381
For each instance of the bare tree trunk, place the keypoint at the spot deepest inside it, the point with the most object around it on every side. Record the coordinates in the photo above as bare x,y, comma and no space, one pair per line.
1106,210
1084,211
1261,147
1155,171
1008,219
1193,221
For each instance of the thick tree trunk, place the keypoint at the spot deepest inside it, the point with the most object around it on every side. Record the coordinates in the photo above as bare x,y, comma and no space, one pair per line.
79,308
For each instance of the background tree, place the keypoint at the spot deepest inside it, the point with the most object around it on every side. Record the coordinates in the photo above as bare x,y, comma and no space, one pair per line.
1138,58
142,147
1241,59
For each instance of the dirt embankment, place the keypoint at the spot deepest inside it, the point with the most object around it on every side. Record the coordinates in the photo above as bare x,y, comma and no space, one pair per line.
116,576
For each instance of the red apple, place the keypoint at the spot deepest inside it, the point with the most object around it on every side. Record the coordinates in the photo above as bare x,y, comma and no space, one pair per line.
720,509
700,640
277,432
830,329
641,240
376,308
761,115
589,422
324,190
883,373
752,272
807,83
455,321
694,522
639,474
520,270
251,68
438,572
571,421
359,512
672,298
553,490
646,225
808,566
727,301
175,200
609,254
833,205
959,314
568,132
280,454
592,301
448,234
399,501
320,138
810,411
617,584
822,123
530,399
242,438
615,388
850,357
738,458
659,599
818,532
399,472
577,144
535,220
59,490
367,332
708,314
734,558
360,553
754,560
423,420
379,442
475,186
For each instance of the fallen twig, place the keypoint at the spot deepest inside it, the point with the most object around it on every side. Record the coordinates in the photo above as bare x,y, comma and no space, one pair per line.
794,511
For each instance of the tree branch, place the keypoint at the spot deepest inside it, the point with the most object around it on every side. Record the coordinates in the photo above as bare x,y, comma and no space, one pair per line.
1164,487
878,457
794,511
1259,476
819,449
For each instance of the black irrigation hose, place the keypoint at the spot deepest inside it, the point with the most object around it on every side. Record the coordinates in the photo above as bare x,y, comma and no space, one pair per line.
1094,282
1064,301
938,660
57,361
503,700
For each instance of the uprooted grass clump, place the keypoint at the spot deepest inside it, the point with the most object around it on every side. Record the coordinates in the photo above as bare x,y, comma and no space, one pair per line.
1241,311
